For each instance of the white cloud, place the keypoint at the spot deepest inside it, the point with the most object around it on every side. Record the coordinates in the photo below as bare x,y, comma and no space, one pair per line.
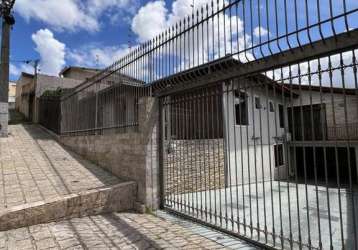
182,8
146,27
16,70
154,17
260,31
96,7
96,55
51,51
298,73
150,20
72,14
60,15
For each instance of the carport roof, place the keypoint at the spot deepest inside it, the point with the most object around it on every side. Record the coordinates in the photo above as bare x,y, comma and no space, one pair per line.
215,69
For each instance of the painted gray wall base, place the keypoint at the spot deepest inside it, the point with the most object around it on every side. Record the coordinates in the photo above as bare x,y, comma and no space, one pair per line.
4,119
117,198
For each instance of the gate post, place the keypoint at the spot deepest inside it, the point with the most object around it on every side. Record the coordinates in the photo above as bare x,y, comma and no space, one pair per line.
161,155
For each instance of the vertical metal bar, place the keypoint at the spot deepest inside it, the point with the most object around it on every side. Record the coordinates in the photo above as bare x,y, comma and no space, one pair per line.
236,165
294,149
325,159
219,96
262,163
215,136
335,149
287,163
253,138
225,143
309,73
187,141
202,149
268,103
207,153
241,152
248,161
178,152
228,143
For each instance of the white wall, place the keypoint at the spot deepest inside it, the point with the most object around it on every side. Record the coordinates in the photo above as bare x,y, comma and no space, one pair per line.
251,148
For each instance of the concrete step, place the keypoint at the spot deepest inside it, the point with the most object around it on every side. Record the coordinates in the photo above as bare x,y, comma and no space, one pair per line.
115,198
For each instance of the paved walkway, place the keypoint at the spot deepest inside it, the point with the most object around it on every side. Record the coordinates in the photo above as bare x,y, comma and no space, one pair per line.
34,167
111,231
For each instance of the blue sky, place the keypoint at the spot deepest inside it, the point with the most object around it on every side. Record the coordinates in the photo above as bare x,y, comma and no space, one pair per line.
97,32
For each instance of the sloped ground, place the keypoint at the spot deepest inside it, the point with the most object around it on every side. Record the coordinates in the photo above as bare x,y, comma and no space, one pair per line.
40,181
56,200
110,231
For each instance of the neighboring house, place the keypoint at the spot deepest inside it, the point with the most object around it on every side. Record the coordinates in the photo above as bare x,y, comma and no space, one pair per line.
78,73
30,88
12,95
116,103
25,94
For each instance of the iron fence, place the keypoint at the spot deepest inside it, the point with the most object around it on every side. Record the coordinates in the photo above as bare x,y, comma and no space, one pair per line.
249,30
50,113
106,106
258,107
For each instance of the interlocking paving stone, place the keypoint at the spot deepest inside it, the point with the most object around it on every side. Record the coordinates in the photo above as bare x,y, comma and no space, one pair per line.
110,231
217,237
34,167
41,182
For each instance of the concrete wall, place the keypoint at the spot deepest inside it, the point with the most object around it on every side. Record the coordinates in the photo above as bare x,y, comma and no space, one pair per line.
26,85
130,156
49,83
24,80
45,82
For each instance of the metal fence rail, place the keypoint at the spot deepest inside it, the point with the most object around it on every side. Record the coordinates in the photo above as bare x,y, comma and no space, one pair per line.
259,114
278,165
107,106
246,29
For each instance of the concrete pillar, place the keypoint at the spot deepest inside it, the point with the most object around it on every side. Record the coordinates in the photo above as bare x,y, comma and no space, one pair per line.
4,118
149,130
4,79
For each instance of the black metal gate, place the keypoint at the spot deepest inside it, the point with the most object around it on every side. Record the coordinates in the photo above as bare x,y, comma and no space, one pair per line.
271,156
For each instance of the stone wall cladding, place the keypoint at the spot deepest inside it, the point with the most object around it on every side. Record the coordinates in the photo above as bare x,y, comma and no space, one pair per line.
194,165
117,198
130,156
